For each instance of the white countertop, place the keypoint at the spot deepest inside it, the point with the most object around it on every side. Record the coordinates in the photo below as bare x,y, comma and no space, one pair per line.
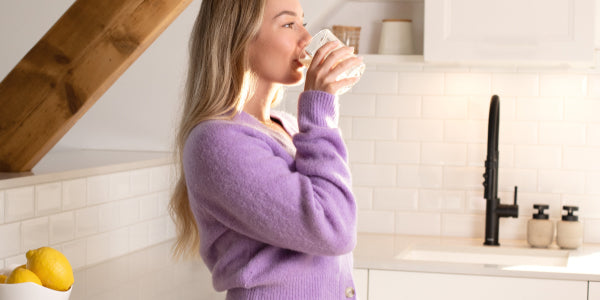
389,252
61,165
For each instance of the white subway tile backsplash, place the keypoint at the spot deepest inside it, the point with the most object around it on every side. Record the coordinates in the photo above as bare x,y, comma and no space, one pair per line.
373,175
438,107
468,83
119,185
431,200
591,234
160,178
11,239
463,225
34,233
357,105
48,198
444,154
75,251
361,151
19,204
475,202
86,221
157,230
397,152
420,130
129,211
363,197
556,85
515,84
462,177
148,207
594,85
74,193
525,179
417,83
98,189
581,109
465,131
374,129
518,132
398,106
109,216
377,82
345,126
376,221
411,223
62,227
164,197
119,242
593,134
1,207
536,109
592,183
513,228
395,199
98,248
138,236
567,182
140,182
531,156
581,158
419,176
562,133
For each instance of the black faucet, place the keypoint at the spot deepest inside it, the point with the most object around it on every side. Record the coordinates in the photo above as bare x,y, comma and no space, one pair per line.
493,209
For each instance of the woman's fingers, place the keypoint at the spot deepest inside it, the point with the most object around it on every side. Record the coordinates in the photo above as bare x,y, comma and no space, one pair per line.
329,62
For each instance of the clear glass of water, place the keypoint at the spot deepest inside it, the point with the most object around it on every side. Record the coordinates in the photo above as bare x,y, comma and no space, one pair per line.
321,38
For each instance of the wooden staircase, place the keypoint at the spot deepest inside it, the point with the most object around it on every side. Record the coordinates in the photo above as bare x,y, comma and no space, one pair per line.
70,68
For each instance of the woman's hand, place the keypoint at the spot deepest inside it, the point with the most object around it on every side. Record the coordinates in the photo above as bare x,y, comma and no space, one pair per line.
327,65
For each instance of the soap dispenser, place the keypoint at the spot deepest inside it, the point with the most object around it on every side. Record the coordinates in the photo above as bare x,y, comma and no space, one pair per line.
540,230
569,232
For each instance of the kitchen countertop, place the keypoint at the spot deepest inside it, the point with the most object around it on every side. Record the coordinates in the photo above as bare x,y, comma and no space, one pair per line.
61,165
151,274
390,252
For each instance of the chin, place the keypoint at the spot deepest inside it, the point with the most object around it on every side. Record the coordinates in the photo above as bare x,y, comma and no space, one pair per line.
296,79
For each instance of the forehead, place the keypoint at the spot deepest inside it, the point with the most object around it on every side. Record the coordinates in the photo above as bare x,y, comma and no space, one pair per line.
275,8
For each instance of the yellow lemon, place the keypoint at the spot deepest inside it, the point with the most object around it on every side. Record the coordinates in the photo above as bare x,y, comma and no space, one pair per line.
2,278
52,267
19,275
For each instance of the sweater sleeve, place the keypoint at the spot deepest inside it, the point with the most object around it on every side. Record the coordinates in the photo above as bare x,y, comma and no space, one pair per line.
236,177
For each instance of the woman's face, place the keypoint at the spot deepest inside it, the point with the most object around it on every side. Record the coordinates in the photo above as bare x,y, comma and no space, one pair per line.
280,43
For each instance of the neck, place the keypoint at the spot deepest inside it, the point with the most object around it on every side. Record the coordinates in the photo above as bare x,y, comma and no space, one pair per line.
259,105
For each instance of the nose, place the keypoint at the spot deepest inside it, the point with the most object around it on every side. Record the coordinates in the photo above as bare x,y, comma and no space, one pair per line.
305,39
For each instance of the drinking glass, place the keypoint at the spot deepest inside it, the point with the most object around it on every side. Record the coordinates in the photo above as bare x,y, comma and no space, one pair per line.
321,38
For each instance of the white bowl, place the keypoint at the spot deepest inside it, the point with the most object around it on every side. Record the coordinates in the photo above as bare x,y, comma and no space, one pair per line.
30,290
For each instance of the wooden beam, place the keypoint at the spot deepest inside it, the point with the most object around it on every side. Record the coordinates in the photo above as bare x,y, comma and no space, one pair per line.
66,72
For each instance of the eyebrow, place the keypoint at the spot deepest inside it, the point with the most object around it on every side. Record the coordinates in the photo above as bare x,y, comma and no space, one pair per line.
286,12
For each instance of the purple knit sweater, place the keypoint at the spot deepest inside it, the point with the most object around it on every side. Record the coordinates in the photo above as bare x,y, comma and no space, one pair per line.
277,220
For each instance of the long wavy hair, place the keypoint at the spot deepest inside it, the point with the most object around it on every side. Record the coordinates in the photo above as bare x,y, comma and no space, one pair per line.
218,83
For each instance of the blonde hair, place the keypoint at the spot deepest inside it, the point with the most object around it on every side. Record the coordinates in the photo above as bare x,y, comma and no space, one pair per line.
218,83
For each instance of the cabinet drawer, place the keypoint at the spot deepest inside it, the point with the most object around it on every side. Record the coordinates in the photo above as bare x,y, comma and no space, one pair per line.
385,285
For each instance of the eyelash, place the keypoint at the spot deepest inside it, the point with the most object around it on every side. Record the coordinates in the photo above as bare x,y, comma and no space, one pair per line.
290,25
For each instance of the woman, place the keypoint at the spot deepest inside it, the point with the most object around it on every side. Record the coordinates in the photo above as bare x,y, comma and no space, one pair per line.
265,199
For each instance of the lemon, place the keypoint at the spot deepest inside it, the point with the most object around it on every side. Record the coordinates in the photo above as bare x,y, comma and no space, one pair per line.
19,275
2,278
52,267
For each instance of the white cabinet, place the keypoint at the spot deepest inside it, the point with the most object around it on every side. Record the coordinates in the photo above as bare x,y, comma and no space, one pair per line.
509,30
387,285
594,290
361,282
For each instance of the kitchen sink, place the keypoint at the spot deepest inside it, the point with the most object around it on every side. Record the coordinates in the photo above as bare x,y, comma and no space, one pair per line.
503,256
